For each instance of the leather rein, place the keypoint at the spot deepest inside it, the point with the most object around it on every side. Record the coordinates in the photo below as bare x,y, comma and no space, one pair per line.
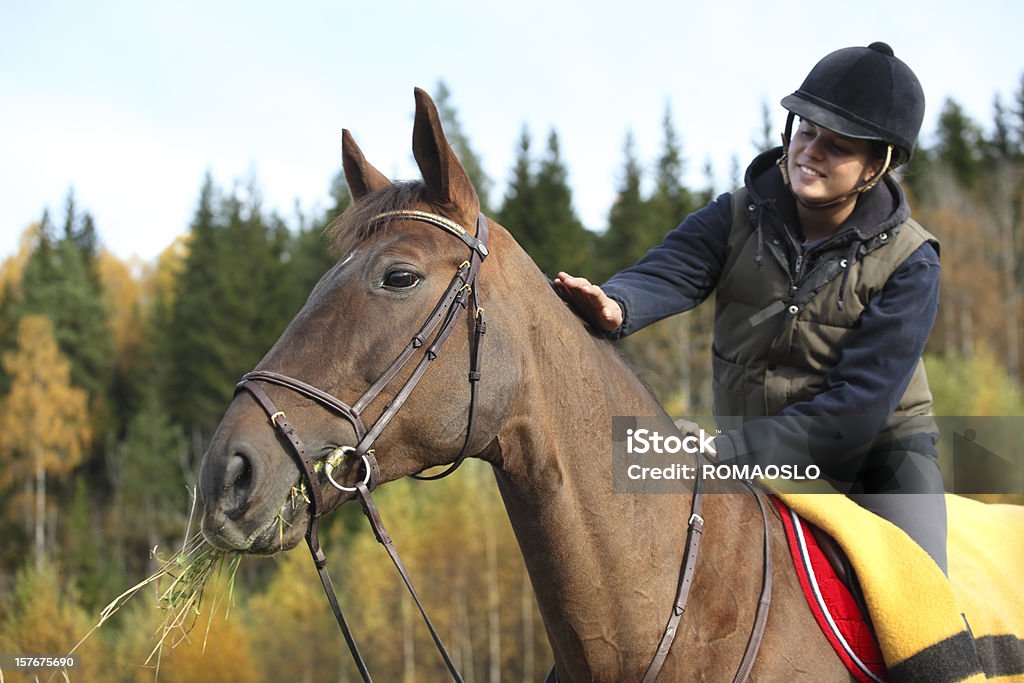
461,293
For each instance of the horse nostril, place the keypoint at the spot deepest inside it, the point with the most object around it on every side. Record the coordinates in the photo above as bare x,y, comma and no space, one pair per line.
239,471
237,482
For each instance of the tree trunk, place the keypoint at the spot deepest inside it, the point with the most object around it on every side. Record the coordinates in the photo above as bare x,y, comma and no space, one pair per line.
40,516
408,642
468,660
493,605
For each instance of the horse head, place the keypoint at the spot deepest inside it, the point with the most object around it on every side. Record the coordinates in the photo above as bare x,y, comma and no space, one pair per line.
348,400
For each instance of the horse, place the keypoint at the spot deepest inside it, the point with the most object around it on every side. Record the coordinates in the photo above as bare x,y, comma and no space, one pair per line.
605,566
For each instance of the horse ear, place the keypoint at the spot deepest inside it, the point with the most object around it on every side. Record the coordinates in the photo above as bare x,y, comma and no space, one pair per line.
447,181
361,176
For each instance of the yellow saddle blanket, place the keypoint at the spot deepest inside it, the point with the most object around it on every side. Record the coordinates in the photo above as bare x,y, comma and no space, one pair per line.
919,615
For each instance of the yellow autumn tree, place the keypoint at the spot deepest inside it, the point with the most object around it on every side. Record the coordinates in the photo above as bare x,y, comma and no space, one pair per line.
44,420
123,289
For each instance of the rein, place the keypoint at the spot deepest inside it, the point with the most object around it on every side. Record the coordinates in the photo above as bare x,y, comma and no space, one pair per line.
461,293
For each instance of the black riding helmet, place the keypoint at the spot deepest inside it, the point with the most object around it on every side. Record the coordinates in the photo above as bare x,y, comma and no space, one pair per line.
862,92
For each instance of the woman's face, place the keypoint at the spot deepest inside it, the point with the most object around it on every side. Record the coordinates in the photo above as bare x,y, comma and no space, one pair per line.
824,165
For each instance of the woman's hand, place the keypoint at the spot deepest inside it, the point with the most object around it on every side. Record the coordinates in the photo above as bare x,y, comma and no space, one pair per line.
590,301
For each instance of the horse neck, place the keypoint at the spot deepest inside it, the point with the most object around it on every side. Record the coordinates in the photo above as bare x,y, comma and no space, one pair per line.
554,471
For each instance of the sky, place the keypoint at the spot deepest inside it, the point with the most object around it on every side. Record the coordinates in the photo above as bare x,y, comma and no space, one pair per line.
131,103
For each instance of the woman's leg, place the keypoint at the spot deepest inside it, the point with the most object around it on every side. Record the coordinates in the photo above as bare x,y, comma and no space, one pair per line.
914,501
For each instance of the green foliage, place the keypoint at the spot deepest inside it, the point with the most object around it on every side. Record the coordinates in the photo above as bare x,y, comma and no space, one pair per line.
959,144
973,385
149,471
61,282
87,561
308,253
538,211
629,231
225,314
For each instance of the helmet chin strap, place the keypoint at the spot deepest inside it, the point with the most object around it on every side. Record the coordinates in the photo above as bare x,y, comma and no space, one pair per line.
829,203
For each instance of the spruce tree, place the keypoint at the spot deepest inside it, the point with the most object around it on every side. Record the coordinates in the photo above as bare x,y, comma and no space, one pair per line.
308,253
538,211
671,201
192,343
626,238
564,243
959,140
231,302
61,282
519,209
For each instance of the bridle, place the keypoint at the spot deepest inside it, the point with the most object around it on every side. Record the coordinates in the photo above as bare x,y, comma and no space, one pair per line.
462,293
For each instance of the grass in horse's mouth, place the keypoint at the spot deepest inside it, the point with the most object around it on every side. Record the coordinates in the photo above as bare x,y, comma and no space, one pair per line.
188,572
297,497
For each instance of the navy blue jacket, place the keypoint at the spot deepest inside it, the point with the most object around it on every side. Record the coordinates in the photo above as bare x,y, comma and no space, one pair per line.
879,355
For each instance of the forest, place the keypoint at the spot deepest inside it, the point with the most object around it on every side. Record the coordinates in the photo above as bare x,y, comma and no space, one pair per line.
116,372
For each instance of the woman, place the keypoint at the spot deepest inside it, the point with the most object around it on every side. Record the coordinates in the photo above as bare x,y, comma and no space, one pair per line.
826,292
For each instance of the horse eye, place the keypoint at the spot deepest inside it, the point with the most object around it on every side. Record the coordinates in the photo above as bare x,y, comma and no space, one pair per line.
401,279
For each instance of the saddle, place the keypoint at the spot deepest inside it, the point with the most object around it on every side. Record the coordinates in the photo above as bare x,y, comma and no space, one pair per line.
919,615
834,596
842,567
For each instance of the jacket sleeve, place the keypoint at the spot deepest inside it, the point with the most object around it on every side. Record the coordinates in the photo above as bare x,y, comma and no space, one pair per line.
863,389
677,274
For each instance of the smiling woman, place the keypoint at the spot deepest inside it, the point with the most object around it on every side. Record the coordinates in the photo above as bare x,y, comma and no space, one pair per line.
824,167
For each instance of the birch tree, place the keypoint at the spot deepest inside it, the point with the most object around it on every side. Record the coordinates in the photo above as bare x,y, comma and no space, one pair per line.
44,421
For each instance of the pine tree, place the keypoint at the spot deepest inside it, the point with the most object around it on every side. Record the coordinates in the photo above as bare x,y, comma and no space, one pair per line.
538,211
671,201
958,144
193,348
149,470
1017,124
1000,147
682,343
519,209
231,302
564,243
61,281
309,254
626,238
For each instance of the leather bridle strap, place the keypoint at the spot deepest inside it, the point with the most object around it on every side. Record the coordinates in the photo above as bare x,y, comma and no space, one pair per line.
694,533
763,604
298,452
377,524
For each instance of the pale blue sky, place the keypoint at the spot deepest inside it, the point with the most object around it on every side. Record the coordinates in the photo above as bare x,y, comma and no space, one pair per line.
132,102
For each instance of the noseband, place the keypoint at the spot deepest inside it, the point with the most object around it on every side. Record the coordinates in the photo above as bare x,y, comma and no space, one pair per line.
461,293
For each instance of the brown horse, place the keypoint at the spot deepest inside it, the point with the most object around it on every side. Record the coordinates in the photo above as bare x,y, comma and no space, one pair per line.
604,566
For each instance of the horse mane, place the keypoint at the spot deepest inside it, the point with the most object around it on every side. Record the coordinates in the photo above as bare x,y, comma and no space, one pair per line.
354,224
